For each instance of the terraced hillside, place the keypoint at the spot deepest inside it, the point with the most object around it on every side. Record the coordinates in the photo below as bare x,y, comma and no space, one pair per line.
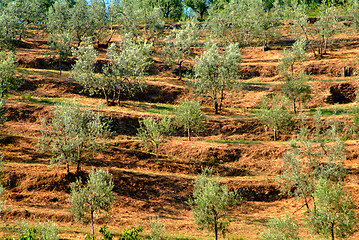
234,143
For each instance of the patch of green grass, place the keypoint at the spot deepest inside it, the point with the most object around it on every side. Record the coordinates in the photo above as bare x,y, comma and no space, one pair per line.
337,110
45,100
233,141
157,108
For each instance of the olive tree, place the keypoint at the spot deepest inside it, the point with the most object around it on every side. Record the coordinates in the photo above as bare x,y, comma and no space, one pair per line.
210,203
296,87
246,22
72,134
8,79
121,75
10,23
95,196
179,45
170,8
215,73
333,216
281,229
318,35
154,132
310,159
62,43
58,18
16,16
274,114
201,7
190,116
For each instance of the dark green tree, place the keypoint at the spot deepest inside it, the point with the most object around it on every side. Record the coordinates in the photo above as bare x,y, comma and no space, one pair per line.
170,8
201,7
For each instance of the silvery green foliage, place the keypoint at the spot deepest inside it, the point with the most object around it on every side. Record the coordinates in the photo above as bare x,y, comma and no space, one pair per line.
215,73
210,203
296,87
72,134
131,15
333,215
179,45
84,69
58,17
128,14
318,35
8,79
157,228
190,116
62,42
100,19
311,159
121,76
281,229
10,23
81,20
95,196
15,16
274,114
154,23
249,23
47,231
154,132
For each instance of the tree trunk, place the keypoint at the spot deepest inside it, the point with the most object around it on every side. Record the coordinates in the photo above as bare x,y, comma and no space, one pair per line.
60,65
106,96
180,70
216,107
119,97
20,35
1,89
294,106
78,169
91,212
156,153
325,45
189,134
215,228
68,168
275,134
306,202
332,230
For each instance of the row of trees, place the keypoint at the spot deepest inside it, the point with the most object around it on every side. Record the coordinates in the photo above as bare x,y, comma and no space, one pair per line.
248,21
75,134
